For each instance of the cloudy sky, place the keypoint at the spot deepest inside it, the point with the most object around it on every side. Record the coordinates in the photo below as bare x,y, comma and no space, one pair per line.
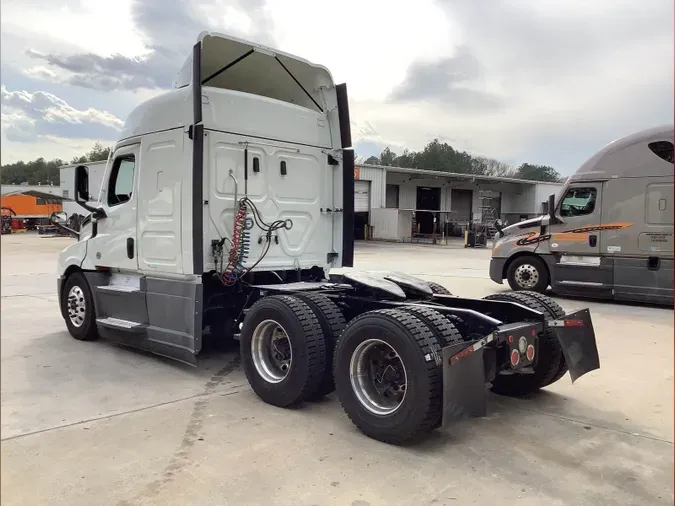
543,81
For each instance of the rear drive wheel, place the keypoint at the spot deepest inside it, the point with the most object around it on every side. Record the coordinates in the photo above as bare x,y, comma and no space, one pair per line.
528,273
282,350
443,328
332,323
554,312
550,360
388,375
438,289
78,308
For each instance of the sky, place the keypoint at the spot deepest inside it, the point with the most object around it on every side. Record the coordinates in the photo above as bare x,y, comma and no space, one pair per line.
538,81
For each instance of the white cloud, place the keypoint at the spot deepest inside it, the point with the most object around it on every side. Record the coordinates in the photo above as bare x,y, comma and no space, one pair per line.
528,80
42,119
43,106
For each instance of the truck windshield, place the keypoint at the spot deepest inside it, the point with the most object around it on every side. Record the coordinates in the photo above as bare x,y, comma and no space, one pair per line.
578,202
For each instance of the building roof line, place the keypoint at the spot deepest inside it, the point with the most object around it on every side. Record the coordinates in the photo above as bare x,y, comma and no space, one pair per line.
457,175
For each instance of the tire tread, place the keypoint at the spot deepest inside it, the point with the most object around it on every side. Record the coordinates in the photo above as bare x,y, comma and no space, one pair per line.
521,384
428,344
324,308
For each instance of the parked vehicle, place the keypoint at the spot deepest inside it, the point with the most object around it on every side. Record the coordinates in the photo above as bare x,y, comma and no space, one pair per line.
610,235
226,203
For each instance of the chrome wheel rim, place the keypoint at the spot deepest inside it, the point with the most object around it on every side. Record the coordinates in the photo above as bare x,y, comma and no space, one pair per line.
378,377
527,276
271,351
77,306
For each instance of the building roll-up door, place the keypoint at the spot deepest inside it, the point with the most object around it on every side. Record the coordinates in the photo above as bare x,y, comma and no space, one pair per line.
461,205
361,196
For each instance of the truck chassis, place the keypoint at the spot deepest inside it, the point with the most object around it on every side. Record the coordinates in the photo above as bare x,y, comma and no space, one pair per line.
404,356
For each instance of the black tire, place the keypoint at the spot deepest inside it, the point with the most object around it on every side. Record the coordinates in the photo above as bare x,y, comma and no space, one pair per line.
550,360
555,311
332,323
413,341
534,265
438,289
307,346
443,328
87,330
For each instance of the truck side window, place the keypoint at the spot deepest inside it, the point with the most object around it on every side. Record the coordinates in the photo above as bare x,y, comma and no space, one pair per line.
578,202
121,180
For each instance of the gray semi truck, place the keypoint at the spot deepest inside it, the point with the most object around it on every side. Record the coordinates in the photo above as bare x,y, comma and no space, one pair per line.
610,234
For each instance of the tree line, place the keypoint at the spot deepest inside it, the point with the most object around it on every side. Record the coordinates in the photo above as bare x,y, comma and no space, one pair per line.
435,156
442,156
46,172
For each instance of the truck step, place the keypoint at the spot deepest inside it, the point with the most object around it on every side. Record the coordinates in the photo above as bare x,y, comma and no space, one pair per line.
118,288
119,324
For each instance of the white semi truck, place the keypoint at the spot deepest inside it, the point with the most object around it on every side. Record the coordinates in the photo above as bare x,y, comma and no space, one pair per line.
225,204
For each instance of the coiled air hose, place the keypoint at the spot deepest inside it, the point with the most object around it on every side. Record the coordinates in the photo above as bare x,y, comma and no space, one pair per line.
241,240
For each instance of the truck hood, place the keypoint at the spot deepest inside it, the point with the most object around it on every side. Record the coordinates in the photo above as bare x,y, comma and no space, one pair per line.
521,225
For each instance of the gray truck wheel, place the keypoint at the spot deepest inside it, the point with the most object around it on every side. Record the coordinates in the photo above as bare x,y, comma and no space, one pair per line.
550,360
332,323
528,273
282,350
439,289
388,375
78,308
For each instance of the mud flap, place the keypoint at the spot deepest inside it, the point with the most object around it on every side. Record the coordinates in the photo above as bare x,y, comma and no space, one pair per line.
577,339
464,389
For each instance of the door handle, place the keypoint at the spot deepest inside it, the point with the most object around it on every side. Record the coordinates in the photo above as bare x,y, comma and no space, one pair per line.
592,240
130,247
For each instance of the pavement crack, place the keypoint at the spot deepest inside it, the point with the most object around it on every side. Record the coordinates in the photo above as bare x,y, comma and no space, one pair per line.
181,458
596,425
123,413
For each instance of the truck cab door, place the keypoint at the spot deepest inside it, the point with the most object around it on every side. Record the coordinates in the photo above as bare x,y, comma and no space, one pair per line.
115,243
575,242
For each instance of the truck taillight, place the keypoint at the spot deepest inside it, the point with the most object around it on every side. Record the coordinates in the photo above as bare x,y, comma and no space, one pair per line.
530,353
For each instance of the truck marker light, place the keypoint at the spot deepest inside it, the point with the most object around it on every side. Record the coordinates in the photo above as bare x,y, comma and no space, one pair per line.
534,332
530,353
510,339
515,358
574,323
522,344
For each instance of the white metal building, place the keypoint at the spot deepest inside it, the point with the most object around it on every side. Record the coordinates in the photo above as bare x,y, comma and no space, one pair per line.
14,188
392,200
67,184
388,199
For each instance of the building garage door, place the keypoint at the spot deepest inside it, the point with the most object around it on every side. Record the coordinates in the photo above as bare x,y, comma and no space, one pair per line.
460,203
361,196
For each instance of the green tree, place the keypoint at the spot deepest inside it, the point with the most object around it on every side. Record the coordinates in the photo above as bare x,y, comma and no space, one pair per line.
373,160
41,171
537,173
387,157
492,167
96,154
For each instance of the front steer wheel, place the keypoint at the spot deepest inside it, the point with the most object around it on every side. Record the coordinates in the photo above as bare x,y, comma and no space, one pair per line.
528,273
77,307
388,375
283,351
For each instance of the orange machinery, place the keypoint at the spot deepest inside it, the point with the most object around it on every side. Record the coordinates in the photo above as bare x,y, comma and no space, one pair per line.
32,207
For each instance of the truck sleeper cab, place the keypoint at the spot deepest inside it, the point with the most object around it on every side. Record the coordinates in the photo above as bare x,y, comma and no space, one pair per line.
224,206
610,234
